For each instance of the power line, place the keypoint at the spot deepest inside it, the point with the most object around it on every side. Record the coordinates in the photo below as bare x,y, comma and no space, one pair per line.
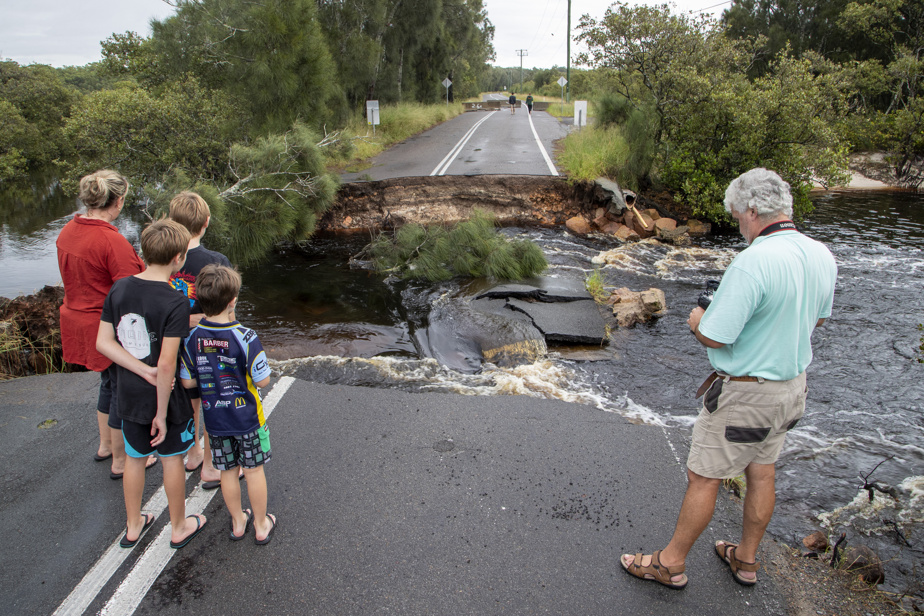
712,7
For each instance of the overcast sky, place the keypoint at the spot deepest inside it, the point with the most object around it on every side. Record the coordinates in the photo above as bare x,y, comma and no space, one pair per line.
68,32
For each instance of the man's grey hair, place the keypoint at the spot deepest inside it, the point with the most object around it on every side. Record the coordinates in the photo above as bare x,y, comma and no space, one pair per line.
761,189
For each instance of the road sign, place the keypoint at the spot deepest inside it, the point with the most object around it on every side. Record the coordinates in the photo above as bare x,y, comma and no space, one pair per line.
446,84
372,114
562,81
580,113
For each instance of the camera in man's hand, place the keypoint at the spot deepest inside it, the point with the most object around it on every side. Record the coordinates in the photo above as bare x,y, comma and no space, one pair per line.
705,298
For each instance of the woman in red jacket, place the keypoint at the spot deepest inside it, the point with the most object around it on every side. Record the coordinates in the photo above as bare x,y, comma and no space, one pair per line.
92,254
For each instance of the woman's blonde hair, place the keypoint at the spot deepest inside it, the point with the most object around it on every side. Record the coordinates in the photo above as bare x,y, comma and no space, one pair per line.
102,188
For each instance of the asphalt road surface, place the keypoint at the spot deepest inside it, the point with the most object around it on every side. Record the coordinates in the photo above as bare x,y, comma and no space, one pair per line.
387,503
473,143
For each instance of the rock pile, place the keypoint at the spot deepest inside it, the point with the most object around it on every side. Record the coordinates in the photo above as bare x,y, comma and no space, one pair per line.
618,216
633,225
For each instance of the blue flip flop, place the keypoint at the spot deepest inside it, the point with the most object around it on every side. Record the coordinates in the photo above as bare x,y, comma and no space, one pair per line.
176,545
148,520
246,526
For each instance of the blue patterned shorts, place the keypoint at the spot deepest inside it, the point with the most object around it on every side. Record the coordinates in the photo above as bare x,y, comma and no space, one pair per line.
248,450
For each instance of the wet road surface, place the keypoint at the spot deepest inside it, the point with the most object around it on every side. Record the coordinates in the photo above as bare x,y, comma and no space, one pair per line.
387,502
473,143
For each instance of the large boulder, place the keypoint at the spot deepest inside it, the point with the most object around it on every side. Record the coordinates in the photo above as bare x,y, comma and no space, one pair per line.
578,225
697,228
626,234
665,224
612,228
677,236
631,307
642,224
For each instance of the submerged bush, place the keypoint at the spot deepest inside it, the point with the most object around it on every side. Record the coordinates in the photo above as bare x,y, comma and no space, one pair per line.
471,248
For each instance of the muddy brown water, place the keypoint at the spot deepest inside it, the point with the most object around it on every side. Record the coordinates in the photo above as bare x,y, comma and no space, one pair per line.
866,401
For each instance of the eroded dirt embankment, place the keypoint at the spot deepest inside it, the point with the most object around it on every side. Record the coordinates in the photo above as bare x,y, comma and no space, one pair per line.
513,199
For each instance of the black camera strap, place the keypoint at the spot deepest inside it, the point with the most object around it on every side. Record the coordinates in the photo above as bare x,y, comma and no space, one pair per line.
783,225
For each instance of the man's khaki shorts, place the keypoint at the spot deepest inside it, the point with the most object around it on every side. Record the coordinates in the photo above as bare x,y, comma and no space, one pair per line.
743,422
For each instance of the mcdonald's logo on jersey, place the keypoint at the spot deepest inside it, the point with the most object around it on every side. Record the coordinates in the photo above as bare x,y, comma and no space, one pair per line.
240,402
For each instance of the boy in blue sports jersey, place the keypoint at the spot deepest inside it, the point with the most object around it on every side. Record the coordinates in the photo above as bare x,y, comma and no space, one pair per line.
228,364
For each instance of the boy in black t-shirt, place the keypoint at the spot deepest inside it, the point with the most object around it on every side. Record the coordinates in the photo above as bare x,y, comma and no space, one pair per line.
142,326
191,211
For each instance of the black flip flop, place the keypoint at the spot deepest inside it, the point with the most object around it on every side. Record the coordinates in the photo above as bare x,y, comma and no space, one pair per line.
269,535
212,485
194,469
125,543
246,526
100,458
176,545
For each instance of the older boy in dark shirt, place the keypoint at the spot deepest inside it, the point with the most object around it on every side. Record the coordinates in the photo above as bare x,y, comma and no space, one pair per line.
190,210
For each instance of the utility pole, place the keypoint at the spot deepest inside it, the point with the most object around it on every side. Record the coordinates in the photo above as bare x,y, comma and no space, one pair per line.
568,62
521,53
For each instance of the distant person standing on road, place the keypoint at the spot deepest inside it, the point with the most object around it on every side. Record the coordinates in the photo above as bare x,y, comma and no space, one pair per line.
513,103
529,104
757,331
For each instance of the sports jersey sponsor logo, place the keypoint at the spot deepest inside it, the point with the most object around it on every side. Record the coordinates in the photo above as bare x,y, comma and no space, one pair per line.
205,405
220,404
204,369
260,366
249,335
200,359
228,360
214,342
240,402
206,385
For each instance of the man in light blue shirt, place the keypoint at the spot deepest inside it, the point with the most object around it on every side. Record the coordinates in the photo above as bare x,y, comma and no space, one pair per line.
757,332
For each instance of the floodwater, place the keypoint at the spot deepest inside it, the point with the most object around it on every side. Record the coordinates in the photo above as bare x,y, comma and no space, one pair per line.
336,322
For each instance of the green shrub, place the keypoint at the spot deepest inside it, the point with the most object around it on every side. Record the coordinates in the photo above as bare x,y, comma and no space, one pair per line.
398,122
593,152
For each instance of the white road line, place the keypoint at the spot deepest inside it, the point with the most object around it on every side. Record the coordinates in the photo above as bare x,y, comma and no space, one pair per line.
139,580
545,154
97,577
444,164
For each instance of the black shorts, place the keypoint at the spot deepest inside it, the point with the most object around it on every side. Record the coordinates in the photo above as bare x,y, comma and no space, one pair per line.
138,439
108,400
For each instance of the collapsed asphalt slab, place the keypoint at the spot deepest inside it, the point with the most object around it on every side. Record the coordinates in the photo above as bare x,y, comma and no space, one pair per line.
563,311
387,502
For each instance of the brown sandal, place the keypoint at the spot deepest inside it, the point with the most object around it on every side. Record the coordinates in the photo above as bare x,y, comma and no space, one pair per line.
726,551
655,572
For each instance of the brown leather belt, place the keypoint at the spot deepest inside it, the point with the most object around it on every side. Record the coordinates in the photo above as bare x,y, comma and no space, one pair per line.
715,375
